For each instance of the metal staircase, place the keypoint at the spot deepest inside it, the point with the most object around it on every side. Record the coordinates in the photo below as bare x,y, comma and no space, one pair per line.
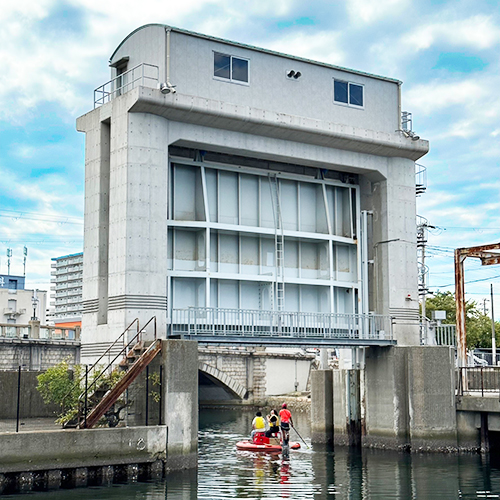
279,244
100,396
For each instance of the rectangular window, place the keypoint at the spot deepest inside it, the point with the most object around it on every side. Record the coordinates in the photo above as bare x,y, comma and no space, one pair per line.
231,68
348,93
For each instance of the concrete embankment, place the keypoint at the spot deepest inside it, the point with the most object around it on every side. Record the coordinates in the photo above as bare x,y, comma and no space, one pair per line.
50,459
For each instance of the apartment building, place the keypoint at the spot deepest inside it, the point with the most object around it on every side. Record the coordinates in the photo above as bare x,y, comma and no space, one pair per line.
66,289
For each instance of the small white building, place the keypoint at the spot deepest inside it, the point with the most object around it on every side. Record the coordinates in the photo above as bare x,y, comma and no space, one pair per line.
18,306
224,176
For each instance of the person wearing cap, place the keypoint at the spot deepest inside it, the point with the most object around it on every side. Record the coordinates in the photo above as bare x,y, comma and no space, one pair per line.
286,420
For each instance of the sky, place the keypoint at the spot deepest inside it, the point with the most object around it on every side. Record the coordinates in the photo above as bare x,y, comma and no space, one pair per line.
54,53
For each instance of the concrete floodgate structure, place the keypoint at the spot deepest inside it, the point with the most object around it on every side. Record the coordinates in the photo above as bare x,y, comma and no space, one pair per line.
226,185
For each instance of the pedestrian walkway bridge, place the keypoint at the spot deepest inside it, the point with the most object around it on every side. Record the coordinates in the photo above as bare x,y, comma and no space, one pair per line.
257,327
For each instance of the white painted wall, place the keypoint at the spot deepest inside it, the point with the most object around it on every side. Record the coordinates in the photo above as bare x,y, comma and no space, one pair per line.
283,373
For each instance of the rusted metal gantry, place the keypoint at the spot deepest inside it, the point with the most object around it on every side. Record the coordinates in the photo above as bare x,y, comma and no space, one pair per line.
489,255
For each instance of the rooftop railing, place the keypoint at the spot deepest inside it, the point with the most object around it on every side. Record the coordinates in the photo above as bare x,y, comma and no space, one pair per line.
145,75
246,323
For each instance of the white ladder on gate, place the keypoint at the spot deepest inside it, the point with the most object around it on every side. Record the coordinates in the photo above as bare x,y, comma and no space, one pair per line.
279,244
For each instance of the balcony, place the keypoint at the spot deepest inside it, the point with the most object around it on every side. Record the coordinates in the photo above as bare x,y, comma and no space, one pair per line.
144,75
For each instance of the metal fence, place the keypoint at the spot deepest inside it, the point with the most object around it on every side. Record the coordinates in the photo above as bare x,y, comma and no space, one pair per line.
218,322
146,75
478,381
445,335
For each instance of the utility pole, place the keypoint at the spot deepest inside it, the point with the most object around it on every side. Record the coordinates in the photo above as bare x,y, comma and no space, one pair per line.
422,226
493,337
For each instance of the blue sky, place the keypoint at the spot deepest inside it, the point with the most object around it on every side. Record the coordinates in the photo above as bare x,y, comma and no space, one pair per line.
54,53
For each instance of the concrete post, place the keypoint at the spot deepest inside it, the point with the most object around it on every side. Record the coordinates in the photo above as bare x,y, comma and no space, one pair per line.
354,408
180,402
35,329
322,406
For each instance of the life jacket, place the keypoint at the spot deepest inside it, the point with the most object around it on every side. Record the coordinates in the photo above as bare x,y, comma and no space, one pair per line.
274,423
259,423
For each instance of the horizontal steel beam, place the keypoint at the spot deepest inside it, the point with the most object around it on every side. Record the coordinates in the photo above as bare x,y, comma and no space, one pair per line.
285,341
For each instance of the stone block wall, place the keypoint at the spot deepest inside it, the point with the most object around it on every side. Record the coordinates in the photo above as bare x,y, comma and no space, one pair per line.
34,354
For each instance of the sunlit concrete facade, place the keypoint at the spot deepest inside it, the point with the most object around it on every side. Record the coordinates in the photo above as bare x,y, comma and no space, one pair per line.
252,186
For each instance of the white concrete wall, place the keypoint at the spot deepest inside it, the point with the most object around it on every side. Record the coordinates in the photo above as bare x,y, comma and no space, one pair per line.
282,374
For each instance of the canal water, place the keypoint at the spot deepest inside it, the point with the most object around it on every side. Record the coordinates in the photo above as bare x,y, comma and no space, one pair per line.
310,473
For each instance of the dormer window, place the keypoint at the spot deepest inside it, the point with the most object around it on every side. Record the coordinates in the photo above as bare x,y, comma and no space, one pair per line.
348,93
230,68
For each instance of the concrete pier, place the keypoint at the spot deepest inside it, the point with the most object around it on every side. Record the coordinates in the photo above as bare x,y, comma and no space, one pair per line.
322,409
404,398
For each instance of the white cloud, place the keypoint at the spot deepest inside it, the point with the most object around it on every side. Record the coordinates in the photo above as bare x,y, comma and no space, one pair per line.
323,46
477,32
369,12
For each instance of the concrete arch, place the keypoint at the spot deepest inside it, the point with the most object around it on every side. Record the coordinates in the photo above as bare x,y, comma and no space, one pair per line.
229,383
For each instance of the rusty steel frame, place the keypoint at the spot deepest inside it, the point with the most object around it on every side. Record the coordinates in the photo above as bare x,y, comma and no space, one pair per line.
488,258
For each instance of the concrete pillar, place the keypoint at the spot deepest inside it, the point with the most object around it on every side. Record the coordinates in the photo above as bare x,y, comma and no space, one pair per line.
180,402
431,398
322,406
386,398
354,407
35,329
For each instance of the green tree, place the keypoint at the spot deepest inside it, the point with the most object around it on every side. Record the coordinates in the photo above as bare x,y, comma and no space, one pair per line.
57,385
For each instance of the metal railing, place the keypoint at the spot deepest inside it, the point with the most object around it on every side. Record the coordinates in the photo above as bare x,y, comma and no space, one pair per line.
43,332
145,75
445,335
478,381
209,321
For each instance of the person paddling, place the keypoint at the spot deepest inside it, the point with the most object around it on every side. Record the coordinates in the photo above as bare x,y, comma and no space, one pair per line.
286,420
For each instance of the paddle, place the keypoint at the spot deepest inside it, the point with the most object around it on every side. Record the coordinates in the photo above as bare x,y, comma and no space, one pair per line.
300,436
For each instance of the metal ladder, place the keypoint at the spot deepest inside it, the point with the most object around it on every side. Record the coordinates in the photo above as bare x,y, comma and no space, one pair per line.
279,244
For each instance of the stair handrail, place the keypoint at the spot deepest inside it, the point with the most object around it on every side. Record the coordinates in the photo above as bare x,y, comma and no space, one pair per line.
135,338
106,352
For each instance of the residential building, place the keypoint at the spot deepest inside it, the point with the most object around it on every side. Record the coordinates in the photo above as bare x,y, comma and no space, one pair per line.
20,306
66,290
224,176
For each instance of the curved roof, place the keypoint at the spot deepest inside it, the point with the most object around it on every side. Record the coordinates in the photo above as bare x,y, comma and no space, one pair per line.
258,49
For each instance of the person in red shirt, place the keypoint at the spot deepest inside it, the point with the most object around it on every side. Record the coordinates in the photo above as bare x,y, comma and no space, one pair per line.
286,420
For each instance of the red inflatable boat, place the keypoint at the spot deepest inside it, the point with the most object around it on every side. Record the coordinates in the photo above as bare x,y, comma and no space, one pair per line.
263,443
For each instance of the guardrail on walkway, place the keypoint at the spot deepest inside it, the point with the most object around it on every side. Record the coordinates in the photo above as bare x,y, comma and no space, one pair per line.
146,75
36,331
478,381
245,323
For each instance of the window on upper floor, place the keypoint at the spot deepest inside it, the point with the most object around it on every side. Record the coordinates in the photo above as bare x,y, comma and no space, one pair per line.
348,93
230,68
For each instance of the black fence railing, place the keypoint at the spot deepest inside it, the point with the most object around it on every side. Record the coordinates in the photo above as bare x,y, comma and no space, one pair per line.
481,381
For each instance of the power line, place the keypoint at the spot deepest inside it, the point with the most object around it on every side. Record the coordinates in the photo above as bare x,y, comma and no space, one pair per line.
467,282
13,214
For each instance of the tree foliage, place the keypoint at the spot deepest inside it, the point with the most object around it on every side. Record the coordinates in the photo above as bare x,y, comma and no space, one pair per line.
57,385
477,324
